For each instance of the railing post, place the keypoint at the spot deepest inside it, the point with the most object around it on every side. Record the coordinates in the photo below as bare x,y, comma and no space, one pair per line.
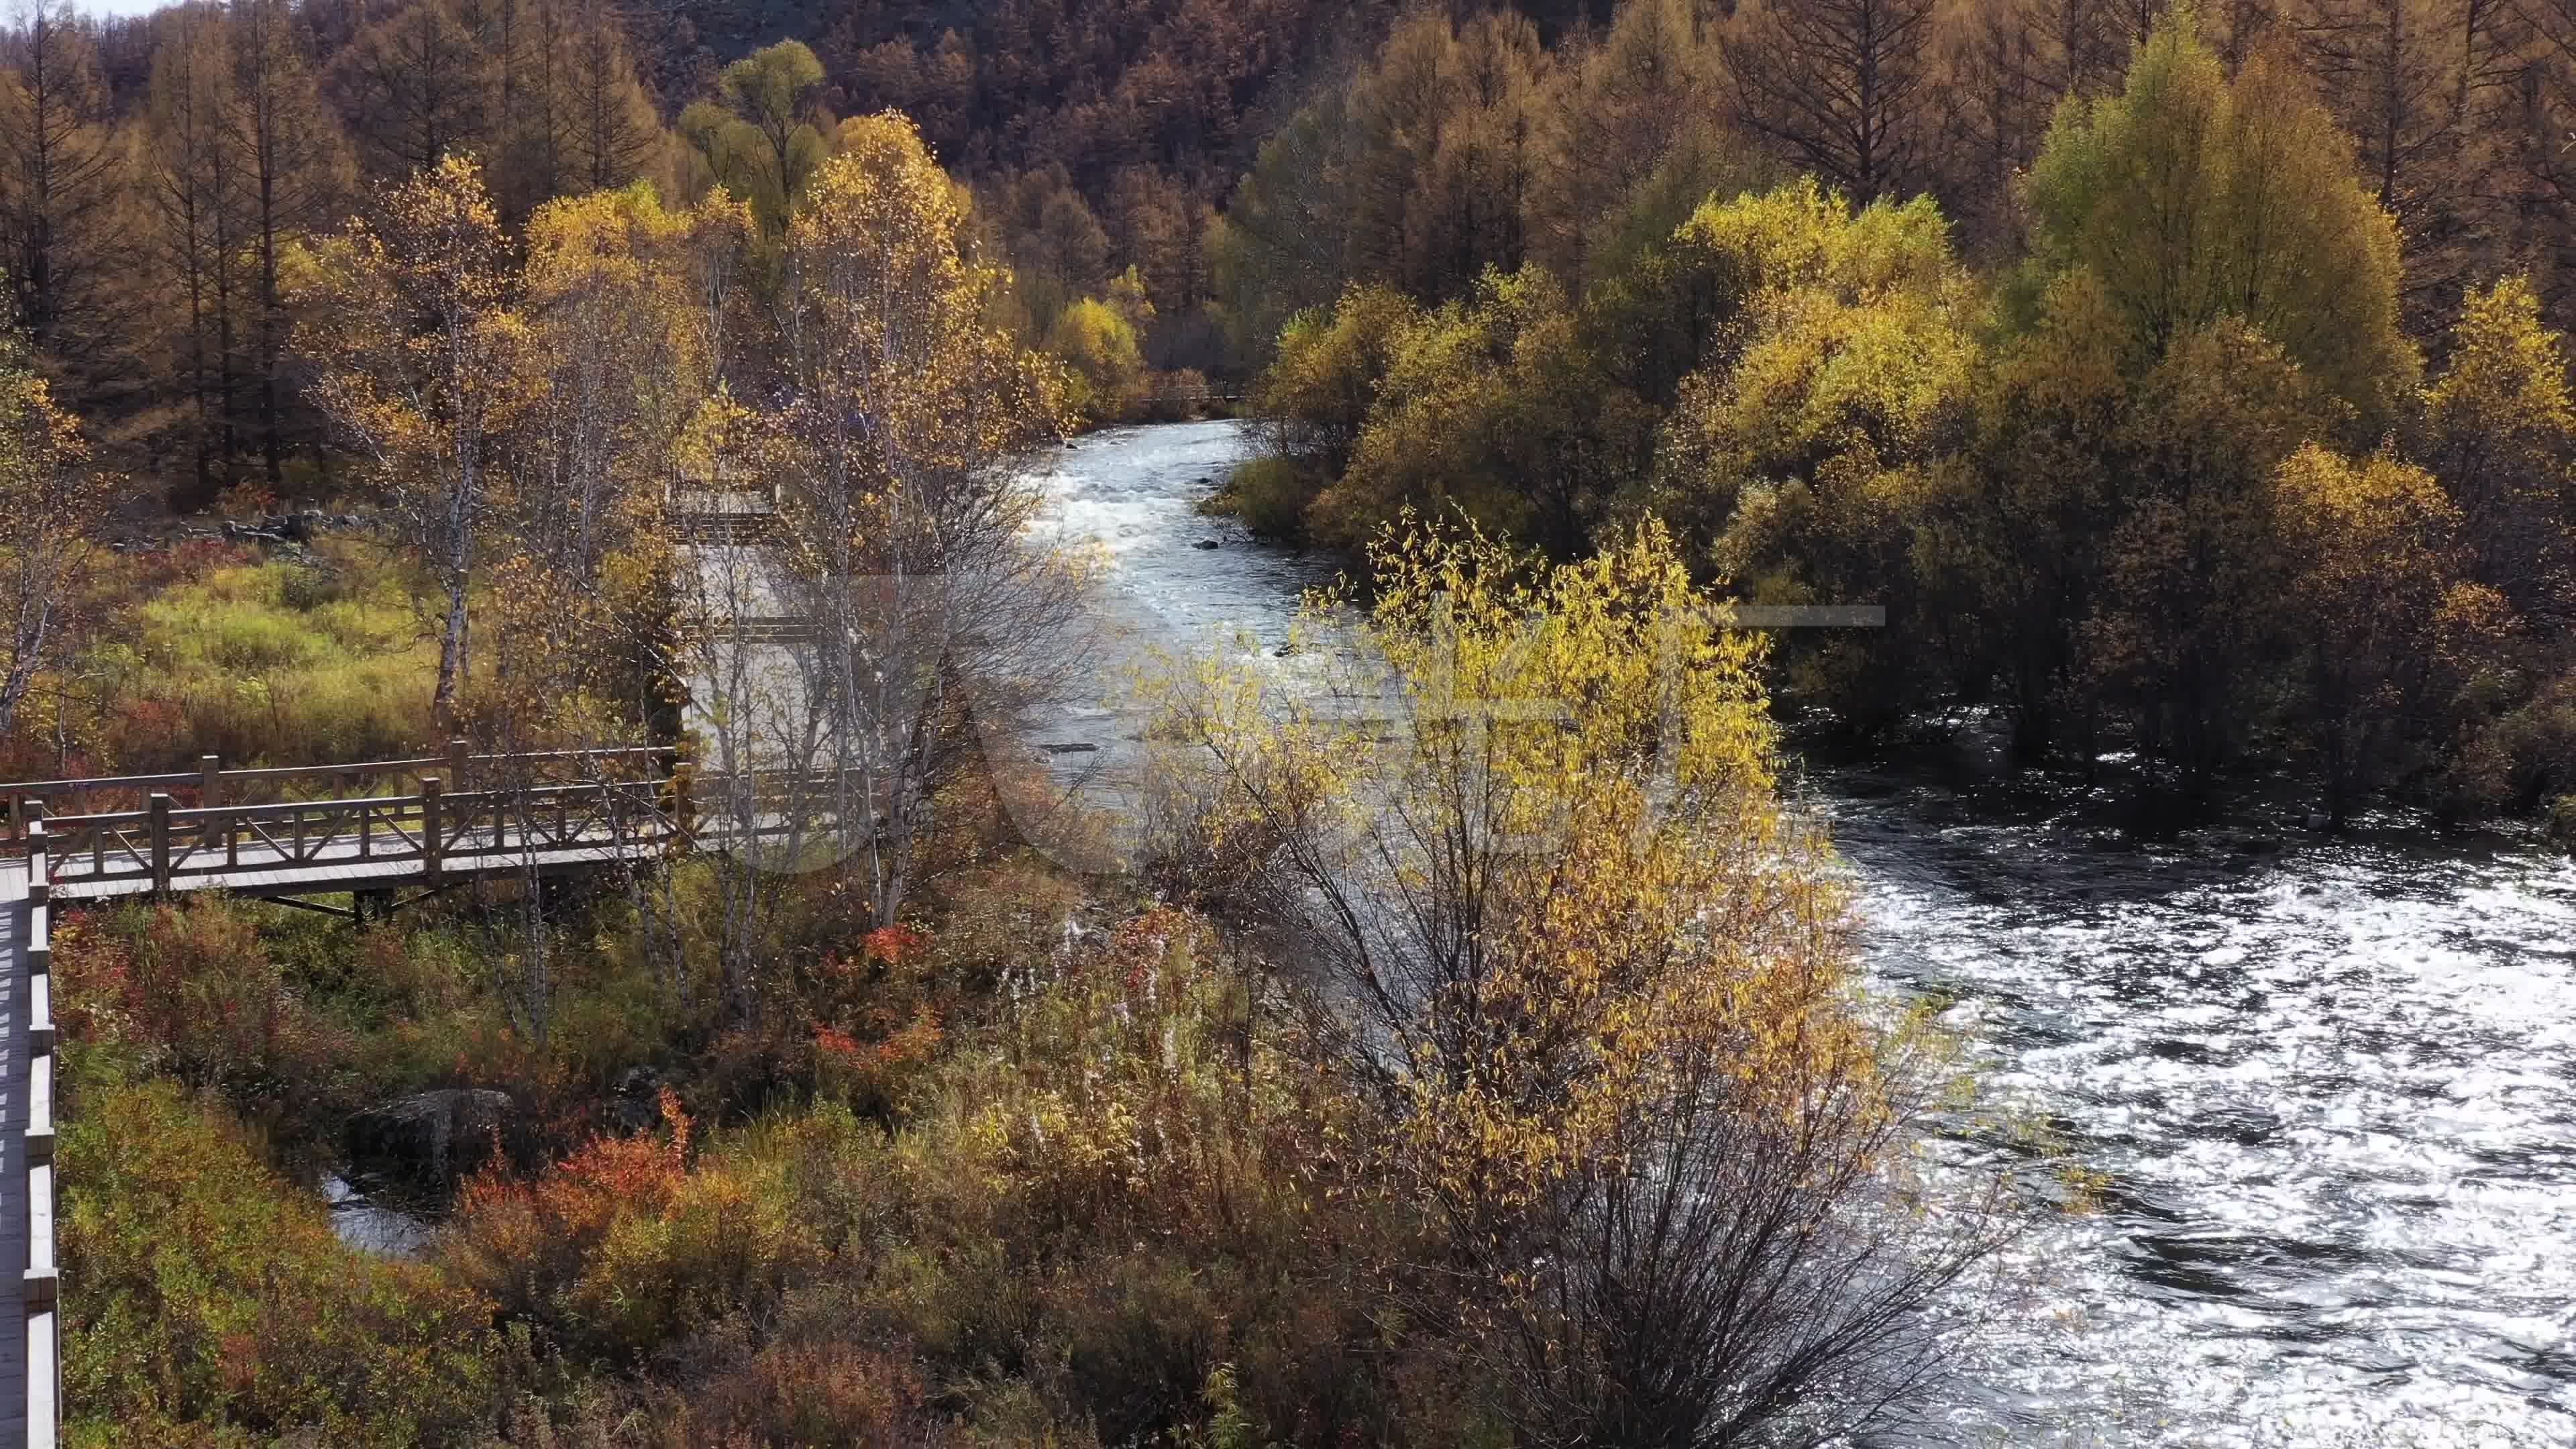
160,844
40,853
210,794
429,832
456,764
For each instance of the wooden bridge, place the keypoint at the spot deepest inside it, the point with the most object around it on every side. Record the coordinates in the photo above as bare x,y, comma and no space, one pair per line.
374,830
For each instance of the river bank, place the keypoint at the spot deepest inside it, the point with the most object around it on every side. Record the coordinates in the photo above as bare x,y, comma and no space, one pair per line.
2330,1078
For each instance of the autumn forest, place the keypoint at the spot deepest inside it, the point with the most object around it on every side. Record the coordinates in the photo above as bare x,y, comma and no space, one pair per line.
2185,386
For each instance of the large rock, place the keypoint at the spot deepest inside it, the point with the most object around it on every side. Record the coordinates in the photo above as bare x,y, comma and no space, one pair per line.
635,1103
432,1139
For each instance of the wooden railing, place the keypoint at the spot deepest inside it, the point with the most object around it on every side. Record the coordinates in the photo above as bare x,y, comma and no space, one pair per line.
433,832
211,786
41,1288
549,809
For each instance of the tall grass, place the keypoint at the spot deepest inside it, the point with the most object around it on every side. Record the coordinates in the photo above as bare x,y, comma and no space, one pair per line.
275,662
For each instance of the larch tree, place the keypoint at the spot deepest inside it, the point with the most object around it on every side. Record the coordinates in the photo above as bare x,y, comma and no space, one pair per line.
1475,208
611,134
1282,244
1444,150
61,180
1153,221
1399,108
2191,197
2418,85
2005,67
570,116
2541,171
1842,88
294,168
1610,118
414,88
195,191
422,362
530,159
1058,249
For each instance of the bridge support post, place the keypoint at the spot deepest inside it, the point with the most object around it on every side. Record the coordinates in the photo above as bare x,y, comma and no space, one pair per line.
430,836
161,845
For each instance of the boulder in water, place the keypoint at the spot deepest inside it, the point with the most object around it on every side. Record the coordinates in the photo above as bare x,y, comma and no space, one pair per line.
635,1102
432,1139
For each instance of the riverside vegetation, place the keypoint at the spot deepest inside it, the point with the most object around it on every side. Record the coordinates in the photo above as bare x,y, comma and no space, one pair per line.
2172,483
1475,1085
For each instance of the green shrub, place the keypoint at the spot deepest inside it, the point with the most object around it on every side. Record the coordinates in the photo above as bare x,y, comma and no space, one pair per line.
1268,496
211,1303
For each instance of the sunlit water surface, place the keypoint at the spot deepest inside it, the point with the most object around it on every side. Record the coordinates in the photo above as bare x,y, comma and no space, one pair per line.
2331,1082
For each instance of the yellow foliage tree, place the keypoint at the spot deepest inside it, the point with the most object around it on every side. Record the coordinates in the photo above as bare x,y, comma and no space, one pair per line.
1603,983
898,467
2192,197
1839,388
2374,541
423,363
2499,429
1098,345
50,498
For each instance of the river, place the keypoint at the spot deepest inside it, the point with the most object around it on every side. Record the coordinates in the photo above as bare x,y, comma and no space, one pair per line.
2331,1081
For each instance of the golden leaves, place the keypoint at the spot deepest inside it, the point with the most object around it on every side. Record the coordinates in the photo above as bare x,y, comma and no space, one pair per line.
1561,888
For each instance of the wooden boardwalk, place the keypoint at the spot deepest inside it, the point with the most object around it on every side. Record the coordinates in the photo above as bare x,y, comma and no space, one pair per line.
29,1369
427,839
528,816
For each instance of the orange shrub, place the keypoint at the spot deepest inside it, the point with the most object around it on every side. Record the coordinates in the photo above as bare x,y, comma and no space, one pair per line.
876,1076
623,1247
797,1393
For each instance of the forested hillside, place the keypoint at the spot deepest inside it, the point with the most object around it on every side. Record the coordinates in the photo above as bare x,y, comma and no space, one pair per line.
2170,421
153,165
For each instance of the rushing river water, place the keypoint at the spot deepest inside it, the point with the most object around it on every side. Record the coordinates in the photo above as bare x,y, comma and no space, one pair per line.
2331,1081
